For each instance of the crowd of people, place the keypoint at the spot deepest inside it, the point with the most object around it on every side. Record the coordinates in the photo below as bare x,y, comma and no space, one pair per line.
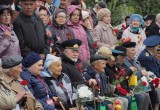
50,47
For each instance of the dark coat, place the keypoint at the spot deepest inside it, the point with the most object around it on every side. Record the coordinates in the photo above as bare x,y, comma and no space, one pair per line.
70,68
149,62
153,29
94,17
38,89
30,32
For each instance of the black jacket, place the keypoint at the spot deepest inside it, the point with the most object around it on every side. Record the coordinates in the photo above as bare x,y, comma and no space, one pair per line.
69,67
30,32
153,29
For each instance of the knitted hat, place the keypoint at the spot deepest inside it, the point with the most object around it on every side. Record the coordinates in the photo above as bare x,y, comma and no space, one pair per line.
102,13
136,17
30,59
85,14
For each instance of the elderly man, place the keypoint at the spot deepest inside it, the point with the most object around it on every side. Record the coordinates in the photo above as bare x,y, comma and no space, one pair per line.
64,3
12,68
29,29
70,63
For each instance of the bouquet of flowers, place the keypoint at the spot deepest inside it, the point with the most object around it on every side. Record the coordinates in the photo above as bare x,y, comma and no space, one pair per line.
156,82
141,87
84,94
119,77
123,40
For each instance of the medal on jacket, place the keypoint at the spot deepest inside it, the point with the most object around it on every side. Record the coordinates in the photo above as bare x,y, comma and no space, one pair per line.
49,101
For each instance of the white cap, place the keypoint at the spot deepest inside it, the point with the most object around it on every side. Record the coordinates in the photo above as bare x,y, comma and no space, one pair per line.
85,14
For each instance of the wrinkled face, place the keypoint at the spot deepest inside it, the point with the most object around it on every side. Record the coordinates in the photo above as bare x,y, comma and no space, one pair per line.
61,18
28,7
36,68
39,3
5,18
43,15
120,59
75,16
15,71
131,52
72,54
64,3
135,23
100,65
107,19
111,63
56,68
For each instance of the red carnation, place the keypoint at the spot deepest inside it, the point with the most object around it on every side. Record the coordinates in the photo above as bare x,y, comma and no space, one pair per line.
121,90
116,102
95,44
144,83
24,82
156,82
115,30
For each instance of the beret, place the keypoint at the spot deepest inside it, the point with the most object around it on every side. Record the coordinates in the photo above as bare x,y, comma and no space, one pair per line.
11,61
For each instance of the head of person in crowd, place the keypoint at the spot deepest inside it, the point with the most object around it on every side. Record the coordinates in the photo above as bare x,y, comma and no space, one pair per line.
43,13
75,14
158,18
136,21
71,49
64,3
99,6
76,3
28,7
54,65
60,17
151,43
127,20
85,17
104,15
98,63
149,19
6,2
107,53
120,54
157,53
33,63
41,3
5,15
49,1
131,49
12,66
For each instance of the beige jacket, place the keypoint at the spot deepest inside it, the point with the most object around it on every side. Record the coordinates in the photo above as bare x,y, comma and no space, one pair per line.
16,88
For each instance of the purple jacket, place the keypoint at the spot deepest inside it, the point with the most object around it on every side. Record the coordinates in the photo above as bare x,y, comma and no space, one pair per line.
79,33
8,46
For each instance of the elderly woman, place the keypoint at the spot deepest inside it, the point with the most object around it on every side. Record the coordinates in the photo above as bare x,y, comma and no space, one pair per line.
32,65
9,42
74,24
130,61
12,68
60,32
103,32
58,82
135,32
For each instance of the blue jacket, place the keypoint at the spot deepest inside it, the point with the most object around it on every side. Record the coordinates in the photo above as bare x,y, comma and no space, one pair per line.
37,89
148,61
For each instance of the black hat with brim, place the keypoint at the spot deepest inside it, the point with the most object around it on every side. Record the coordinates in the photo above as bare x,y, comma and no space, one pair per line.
71,44
129,44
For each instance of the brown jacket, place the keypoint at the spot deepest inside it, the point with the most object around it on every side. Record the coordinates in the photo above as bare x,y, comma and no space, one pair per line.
16,88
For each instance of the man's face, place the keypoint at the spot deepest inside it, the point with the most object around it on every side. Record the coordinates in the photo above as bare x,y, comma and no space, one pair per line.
100,65
64,3
36,68
28,7
15,71
120,58
72,54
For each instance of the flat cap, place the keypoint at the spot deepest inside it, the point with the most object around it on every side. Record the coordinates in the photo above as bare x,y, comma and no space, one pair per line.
129,44
152,41
97,57
71,44
11,61
105,52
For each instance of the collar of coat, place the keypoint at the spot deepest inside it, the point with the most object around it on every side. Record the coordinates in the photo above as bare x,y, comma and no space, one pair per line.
103,25
69,23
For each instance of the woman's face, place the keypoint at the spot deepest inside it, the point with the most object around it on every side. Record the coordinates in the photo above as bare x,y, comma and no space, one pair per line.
61,18
44,16
15,71
131,52
135,23
86,22
107,19
75,16
5,18
56,68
